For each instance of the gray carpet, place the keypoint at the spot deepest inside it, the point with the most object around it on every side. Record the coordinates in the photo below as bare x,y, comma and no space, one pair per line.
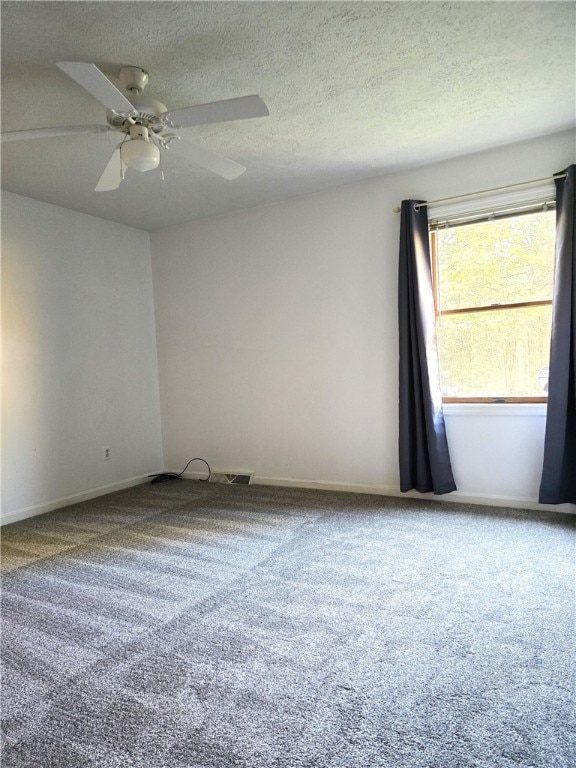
207,626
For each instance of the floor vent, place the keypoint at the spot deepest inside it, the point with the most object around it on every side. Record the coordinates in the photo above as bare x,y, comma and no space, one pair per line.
231,478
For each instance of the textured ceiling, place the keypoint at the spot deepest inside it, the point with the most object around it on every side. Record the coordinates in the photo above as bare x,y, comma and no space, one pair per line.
354,90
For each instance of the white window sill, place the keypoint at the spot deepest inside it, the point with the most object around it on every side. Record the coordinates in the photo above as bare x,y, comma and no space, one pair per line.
494,409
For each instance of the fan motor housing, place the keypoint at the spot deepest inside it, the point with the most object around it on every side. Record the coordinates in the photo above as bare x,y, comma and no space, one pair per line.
147,111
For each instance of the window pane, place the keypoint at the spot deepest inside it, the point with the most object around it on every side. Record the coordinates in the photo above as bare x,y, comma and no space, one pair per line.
498,262
504,353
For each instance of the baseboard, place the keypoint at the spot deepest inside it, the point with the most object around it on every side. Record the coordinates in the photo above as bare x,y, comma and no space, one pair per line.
491,500
66,501
288,482
459,497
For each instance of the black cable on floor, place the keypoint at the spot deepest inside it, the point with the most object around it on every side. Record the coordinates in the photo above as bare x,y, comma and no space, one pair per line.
205,480
162,477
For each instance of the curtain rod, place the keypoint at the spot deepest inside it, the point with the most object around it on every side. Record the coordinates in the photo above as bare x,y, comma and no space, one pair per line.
397,208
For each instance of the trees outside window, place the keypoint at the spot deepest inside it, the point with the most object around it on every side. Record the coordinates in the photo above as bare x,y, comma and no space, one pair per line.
493,298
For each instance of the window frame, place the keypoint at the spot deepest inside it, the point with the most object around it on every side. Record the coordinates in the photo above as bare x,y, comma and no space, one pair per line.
438,312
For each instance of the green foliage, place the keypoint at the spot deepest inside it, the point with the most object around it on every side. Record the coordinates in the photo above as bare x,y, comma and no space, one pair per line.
498,262
495,353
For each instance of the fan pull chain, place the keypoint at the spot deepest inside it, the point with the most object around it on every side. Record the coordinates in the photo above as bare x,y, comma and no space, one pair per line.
121,163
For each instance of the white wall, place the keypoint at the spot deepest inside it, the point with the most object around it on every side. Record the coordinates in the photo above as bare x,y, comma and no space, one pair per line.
79,357
277,334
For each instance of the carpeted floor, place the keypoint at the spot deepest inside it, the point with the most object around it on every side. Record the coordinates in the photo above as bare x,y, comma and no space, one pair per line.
186,625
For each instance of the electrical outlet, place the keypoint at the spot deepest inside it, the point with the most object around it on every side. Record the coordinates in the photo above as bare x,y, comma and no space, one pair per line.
106,451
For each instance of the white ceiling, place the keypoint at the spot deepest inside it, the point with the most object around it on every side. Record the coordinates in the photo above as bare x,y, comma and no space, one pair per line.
354,89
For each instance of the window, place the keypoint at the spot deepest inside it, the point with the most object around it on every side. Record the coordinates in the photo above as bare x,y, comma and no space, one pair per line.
493,298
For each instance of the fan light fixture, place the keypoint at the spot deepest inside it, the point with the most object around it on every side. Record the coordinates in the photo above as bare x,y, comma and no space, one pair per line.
139,153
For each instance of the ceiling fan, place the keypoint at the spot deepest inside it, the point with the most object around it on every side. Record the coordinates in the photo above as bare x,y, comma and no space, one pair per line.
146,125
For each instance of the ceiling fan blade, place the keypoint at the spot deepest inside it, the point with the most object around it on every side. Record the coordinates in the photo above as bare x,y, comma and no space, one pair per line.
46,133
217,112
212,162
113,173
95,82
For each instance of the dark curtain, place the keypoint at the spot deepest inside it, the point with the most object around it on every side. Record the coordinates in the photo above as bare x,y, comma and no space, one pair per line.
559,473
424,458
